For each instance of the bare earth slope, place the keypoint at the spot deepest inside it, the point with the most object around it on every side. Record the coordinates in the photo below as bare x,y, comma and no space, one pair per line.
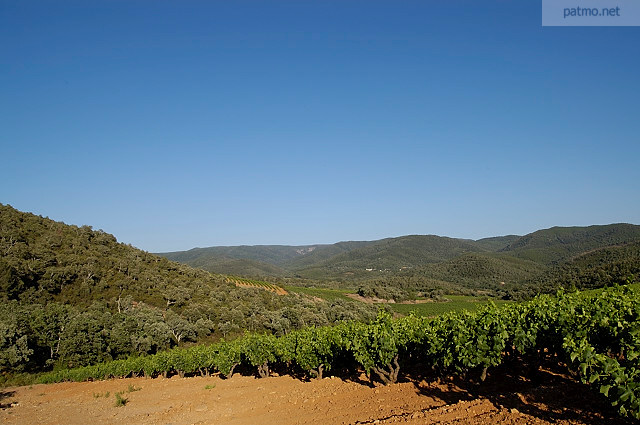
284,400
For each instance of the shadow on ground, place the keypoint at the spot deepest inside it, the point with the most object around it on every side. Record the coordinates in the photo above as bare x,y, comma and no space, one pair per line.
4,395
549,393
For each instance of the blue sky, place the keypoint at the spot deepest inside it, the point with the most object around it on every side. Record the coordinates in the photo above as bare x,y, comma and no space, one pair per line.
200,123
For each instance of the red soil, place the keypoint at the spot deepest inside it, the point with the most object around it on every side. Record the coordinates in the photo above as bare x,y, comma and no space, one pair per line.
282,400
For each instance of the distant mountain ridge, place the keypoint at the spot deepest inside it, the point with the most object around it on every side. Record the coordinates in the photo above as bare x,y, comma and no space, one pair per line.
404,251
437,256
276,255
271,260
550,246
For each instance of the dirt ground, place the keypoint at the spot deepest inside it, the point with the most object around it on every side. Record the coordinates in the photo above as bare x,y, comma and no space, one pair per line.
284,400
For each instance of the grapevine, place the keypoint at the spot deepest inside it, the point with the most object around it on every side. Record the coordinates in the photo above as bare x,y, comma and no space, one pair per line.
596,334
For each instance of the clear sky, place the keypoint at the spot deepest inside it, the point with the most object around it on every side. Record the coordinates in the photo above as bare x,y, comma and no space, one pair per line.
175,124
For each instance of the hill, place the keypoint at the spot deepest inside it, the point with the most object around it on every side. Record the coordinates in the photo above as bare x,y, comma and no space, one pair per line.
475,273
484,271
392,254
551,246
510,266
260,260
496,243
343,259
325,253
276,255
238,266
592,269
73,295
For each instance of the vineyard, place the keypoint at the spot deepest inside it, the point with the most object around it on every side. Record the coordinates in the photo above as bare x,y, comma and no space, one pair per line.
596,335
251,283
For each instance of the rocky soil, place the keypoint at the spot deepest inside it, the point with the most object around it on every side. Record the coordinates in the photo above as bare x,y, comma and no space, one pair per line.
282,400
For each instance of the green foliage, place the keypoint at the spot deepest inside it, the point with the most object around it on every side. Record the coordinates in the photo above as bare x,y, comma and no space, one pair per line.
15,352
73,296
235,266
482,271
120,401
597,333
259,351
509,267
314,349
445,304
340,260
263,260
556,244
390,255
496,243
376,346
228,356
383,291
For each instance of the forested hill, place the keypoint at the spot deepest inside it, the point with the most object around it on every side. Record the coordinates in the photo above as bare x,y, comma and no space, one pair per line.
546,248
74,295
496,243
505,266
613,264
44,260
558,244
277,255
261,260
392,254
339,259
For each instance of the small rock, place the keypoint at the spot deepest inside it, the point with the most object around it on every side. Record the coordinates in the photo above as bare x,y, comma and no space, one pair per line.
514,410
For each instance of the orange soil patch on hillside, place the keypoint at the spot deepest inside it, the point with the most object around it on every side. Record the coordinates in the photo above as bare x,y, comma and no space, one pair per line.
278,290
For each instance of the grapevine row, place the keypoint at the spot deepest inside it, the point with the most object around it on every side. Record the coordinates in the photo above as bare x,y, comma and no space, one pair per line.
250,283
598,335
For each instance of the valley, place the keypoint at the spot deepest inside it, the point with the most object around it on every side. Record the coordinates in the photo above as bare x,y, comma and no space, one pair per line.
419,314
